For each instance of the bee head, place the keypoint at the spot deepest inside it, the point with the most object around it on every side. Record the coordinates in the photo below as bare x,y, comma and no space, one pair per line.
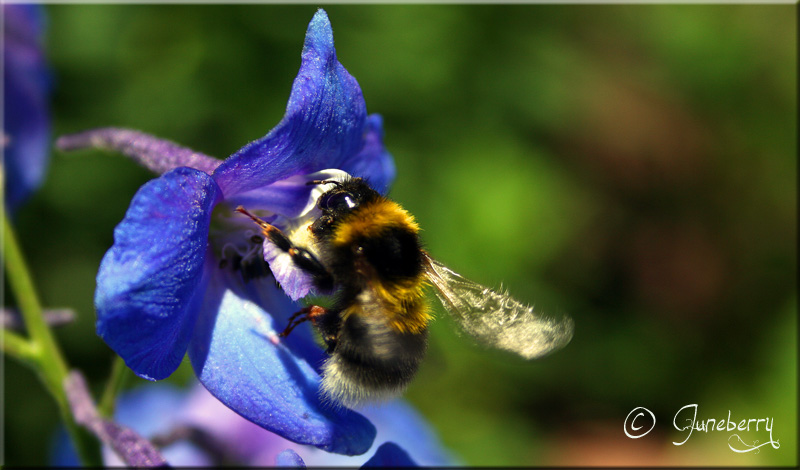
345,196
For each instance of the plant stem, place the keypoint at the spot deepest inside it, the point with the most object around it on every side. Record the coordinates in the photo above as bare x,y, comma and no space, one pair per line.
46,358
19,347
119,376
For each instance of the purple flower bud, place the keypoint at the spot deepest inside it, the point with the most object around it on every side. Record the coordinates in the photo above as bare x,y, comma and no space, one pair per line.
26,86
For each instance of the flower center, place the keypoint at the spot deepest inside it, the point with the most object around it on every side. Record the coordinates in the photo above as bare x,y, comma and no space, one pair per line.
237,243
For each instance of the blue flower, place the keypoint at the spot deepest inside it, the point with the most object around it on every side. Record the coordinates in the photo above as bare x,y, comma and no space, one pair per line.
26,126
192,428
186,273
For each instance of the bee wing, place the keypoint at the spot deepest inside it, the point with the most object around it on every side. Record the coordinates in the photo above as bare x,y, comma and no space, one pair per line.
496,319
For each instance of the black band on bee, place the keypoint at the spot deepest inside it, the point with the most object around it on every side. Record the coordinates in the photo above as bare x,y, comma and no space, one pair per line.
395,254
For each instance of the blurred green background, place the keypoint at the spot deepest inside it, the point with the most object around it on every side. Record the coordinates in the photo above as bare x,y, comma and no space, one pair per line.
633,166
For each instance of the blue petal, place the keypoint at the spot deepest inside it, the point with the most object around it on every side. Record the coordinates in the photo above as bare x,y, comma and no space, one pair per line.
270,298
150,283
373,162
289,458
396,422
390,454
26,128
285,197
399,422
292,197
322,127
238,357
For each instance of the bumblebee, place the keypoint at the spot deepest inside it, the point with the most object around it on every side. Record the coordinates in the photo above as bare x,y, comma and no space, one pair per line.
366,249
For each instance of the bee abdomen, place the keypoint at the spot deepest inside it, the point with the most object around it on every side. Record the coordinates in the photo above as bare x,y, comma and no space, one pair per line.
371,361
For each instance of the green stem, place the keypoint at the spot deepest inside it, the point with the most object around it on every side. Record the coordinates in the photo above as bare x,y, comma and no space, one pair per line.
48,360
19,347
119,376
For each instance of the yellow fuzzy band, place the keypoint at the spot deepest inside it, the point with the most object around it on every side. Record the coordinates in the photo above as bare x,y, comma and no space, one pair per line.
405,306
371,219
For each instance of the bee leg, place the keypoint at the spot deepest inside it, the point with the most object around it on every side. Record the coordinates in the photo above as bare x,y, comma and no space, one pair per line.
301,257
312,313
309,263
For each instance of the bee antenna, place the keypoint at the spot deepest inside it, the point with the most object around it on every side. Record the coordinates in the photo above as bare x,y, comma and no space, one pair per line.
337,183
244,211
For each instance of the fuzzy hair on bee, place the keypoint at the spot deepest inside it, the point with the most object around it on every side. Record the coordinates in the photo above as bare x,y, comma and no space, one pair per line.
366,249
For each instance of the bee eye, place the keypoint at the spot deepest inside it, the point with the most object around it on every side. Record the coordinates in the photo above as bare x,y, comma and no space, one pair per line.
339,202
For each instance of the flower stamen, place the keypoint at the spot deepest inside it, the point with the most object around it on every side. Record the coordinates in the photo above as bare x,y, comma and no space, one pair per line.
248,260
